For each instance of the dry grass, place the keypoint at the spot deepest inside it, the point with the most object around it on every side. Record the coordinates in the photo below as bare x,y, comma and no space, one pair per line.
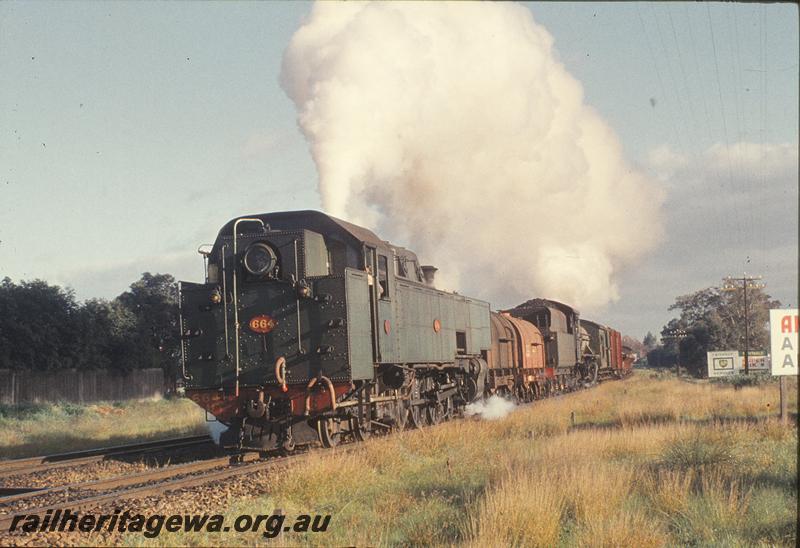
54,428
651,461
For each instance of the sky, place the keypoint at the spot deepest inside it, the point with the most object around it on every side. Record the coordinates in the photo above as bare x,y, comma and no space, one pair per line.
129,133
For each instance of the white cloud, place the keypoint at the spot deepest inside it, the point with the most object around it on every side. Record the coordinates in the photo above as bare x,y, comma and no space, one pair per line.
722,222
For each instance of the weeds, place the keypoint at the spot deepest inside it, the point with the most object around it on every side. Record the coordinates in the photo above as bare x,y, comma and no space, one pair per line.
649,462
35,429
699,450
738,381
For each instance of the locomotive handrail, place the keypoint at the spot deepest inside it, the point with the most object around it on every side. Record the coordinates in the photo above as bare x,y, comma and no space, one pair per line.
236,294
180,326
330,387
280,372
225,302
297,298
205,251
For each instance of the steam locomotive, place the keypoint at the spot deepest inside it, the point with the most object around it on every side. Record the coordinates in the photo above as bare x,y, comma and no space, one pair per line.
310,328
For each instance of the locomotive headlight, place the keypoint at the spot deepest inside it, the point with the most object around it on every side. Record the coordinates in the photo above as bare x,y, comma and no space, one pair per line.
259,259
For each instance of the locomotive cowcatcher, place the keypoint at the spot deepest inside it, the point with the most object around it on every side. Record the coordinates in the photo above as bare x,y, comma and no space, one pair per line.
311,327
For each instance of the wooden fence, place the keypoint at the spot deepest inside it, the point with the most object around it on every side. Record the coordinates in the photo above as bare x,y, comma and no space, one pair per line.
70,385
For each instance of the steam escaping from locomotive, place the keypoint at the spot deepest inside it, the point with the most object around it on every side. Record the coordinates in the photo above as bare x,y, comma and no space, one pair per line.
454,129
215,430
496,407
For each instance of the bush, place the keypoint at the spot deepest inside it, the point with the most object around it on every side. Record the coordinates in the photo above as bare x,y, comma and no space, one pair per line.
24,411
737,381
699,450
71,409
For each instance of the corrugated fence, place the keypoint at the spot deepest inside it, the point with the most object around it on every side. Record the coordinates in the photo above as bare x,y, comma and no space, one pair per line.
78,386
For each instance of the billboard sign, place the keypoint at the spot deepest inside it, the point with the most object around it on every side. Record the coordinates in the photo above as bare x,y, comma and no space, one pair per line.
757,360
723,363
783,327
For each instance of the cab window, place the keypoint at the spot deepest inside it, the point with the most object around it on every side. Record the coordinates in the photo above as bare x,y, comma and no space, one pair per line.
400,266
383,276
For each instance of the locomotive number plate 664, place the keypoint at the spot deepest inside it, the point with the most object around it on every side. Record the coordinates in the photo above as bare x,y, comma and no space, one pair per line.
262,324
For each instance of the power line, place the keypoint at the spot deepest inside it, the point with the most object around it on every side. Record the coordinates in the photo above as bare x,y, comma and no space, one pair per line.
700,77
658,73
750,216
699,72
763,155
678,101
676,335
722,109
737,71
683,70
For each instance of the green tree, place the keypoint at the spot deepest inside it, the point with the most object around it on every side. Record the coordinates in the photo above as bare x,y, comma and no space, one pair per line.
152,302
38,328
714,319
109,335
661,357
649,341
43,327
734,318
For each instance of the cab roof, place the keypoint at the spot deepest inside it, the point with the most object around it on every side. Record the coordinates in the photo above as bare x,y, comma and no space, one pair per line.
315,221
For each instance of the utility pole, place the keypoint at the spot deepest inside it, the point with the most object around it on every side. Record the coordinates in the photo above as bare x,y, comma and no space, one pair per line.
733,284
676,335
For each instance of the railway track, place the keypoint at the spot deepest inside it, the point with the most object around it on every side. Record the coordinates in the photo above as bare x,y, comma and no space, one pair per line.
157,482
43,463
97,493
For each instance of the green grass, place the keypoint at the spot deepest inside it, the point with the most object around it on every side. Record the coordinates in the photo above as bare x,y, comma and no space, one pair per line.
652,461
753,379
39,429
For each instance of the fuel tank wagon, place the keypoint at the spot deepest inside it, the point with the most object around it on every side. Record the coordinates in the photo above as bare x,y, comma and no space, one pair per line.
309,326
517,359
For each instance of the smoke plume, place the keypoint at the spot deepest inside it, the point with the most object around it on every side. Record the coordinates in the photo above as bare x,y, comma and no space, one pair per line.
453,129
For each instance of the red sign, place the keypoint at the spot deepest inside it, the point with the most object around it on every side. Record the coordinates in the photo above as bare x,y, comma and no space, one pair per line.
437,325
387,326
262,324
788,327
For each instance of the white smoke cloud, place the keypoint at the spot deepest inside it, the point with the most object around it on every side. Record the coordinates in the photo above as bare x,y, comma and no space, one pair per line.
452,129
492,409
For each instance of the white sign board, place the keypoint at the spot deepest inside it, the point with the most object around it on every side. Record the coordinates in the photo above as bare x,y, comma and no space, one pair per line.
723,363
783,326
758,361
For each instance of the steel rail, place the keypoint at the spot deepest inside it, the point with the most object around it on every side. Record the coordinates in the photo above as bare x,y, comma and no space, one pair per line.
159,488
133,479
17,467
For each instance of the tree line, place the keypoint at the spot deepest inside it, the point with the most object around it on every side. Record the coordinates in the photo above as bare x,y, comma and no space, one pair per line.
712,319
43,327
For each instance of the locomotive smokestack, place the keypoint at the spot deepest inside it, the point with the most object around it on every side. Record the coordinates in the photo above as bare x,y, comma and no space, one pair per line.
429,273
